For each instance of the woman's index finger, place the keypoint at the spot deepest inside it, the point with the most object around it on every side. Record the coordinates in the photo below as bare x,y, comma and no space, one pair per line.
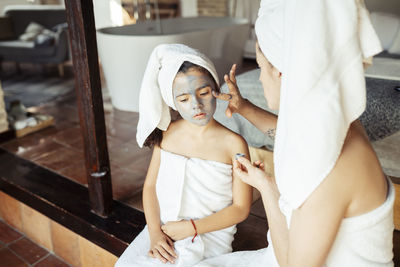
222,96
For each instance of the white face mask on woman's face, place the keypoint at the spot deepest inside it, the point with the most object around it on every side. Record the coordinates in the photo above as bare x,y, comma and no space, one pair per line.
192,92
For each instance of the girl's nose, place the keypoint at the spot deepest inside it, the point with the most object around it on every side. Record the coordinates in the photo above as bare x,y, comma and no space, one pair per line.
196,103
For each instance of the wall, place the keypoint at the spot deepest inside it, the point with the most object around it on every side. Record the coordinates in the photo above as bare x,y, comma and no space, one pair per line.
4,3
189,8
390,6
214,8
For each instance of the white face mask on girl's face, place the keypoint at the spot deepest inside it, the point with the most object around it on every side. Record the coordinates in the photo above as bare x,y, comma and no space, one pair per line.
192,92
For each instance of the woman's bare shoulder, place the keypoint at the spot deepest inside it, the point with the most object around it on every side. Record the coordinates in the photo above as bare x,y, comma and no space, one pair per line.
358,173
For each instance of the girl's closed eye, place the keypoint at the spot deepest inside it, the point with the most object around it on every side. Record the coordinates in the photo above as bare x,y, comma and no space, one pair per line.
205,91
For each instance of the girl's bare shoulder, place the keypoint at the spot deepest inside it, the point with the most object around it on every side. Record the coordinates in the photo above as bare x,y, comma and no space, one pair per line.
235,142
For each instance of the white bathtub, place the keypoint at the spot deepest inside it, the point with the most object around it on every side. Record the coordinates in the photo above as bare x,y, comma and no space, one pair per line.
124,50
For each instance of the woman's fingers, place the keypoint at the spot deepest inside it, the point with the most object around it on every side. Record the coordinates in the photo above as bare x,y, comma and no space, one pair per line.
222,96
245,162
232,73
231,84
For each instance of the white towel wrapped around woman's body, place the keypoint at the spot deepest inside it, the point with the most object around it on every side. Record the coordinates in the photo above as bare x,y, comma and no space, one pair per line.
187,188
364,240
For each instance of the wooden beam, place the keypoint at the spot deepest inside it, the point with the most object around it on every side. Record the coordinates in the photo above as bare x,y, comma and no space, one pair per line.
82,34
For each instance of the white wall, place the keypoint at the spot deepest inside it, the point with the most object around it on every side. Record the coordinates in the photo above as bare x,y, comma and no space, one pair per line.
390,6
107,13
189,8
4,3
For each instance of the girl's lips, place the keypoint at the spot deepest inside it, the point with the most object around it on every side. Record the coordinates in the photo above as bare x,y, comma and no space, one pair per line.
200,115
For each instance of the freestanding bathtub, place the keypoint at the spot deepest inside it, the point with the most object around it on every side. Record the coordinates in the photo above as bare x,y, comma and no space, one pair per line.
124,50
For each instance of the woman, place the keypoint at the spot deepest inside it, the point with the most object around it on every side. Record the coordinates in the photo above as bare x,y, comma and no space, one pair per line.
330,203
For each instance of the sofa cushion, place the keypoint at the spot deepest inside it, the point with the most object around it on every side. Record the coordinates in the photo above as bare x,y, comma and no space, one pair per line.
24,51
43,40
46,16
6,29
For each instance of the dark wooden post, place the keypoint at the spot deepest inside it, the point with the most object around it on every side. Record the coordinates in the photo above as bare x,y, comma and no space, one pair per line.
82,33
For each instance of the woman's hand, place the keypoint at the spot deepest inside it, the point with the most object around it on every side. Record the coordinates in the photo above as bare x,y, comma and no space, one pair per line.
234,97
252,174
162,247
178,230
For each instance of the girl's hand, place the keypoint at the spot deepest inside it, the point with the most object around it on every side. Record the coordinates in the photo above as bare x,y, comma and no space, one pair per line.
178,230
252,174
162,247
234,97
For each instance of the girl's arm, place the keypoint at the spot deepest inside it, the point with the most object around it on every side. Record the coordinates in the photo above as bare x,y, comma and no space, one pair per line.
161,246
260,118
231,215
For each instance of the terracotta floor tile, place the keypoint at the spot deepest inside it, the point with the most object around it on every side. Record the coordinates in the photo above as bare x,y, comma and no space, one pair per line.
60,158
65,244
51,261
9,259
69,137
114,142
10,211
75,172
126,183
126,153
135,202
28,250
7,234
123,116
139,163
121,130
44,147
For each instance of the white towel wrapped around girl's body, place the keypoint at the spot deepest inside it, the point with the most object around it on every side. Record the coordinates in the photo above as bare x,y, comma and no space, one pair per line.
187,188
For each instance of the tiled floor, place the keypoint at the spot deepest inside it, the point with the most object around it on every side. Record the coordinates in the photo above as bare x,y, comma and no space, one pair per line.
17,250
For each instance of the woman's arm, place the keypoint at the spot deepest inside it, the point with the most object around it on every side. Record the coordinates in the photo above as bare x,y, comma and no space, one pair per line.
313,226
161,246
260,118
231,215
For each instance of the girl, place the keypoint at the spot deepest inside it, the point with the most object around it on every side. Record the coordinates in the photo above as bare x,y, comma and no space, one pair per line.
191,201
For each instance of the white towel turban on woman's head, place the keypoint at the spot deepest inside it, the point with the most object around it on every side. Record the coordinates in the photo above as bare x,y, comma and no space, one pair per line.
269,31
320,51
156,95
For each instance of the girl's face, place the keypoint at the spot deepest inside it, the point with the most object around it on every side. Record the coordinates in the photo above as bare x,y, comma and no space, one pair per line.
193,98
270,79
